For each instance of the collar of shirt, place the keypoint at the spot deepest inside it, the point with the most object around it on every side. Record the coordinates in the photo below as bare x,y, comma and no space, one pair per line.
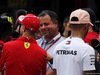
26,39
76,38
54,39
93,33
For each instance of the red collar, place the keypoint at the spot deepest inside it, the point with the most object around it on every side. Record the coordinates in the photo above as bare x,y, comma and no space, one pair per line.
31,40
11,38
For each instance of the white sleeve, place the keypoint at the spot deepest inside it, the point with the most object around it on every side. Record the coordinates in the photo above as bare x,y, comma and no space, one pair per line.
54,58
88,59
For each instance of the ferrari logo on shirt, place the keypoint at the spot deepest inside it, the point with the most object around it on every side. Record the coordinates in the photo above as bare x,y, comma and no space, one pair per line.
26,45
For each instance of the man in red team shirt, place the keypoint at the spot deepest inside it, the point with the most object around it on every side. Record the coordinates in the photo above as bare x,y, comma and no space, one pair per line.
23,56
5,30
92,33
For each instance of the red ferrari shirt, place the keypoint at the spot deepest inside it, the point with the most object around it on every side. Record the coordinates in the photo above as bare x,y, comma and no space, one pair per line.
11,38
23,57
1,45
90,36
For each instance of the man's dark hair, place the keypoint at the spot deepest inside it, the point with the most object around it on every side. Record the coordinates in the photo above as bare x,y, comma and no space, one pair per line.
98,25
92,17
66,19
18,13
52,15
6,15
5,27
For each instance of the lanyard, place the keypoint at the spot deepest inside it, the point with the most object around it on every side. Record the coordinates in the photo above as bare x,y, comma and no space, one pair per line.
52,43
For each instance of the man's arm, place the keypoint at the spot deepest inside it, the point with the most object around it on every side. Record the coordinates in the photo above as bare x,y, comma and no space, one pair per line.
51,72
98,57
89,73
2,73
49,57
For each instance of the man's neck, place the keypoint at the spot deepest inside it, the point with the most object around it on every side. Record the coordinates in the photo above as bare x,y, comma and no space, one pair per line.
90,29
48,39
77,34
28,35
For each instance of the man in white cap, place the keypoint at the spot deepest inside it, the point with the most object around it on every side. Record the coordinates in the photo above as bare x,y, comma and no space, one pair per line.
73,56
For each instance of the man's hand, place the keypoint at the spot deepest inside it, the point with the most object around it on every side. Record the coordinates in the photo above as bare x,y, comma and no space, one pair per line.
49,57
98,57
51,72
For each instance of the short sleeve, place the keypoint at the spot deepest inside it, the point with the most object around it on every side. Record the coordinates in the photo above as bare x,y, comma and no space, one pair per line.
54,59
89,59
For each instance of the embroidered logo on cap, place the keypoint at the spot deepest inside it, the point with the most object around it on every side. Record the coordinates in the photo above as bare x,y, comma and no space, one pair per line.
31,29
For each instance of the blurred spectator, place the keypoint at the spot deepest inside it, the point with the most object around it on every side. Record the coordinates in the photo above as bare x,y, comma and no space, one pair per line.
38,35
92,33
98,26
16,32
67,31
10,19
1,46
96,45
6,28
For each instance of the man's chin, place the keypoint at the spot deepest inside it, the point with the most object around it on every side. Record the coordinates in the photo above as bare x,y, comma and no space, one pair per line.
46,35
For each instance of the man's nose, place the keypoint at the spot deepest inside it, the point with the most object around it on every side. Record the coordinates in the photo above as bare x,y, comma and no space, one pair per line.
43,26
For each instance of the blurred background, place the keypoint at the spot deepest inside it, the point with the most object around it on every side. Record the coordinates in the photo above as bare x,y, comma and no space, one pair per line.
63,8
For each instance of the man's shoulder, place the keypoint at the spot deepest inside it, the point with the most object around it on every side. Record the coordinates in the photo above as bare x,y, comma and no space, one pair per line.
62,42
40,39
11,43
62,38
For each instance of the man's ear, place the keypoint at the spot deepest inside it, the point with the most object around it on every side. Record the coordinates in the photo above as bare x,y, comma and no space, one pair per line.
69,26
86,26
24,29
56,22
63,24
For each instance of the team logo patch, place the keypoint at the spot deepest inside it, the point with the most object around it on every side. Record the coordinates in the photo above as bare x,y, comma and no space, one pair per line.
26,45
68,42
9,19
